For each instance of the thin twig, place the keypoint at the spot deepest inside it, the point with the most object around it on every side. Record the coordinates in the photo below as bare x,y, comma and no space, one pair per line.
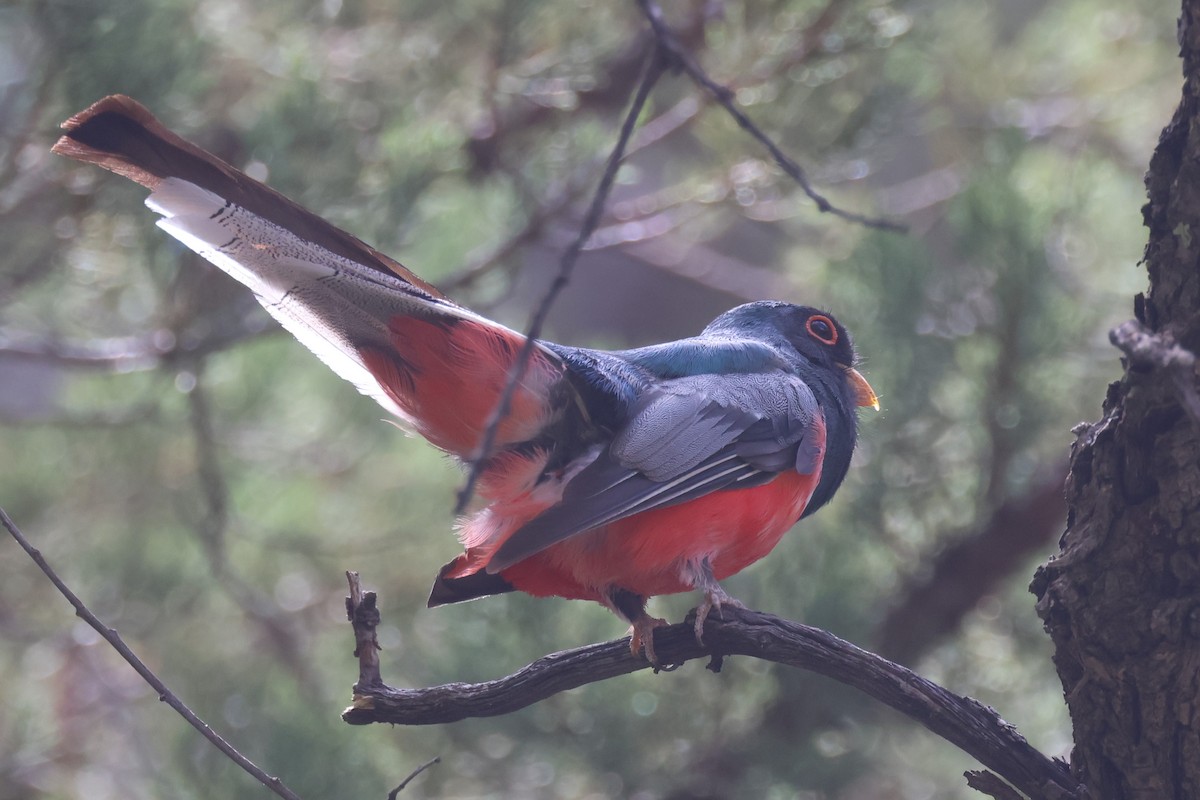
435,760
364,615
654,69
722,94
166,695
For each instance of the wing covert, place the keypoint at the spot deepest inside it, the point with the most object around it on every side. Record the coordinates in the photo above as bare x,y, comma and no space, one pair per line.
688,438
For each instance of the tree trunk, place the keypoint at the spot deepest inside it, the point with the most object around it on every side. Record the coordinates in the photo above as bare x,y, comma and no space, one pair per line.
1122,599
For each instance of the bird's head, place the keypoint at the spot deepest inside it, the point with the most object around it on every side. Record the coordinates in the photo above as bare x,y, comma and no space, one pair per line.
814,335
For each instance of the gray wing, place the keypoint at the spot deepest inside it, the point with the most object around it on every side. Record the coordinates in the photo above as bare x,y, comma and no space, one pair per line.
687,438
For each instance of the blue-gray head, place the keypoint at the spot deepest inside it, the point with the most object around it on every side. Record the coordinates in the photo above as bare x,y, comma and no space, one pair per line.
818,349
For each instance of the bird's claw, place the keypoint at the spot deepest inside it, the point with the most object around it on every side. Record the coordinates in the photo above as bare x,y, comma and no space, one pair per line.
641,637
714,597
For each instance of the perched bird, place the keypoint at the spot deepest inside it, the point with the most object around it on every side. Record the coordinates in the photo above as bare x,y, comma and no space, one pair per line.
615,476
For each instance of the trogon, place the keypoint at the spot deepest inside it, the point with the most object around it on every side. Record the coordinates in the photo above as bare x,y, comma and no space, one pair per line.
615,476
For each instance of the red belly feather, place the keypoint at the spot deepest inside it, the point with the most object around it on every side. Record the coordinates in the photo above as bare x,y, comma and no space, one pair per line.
647,553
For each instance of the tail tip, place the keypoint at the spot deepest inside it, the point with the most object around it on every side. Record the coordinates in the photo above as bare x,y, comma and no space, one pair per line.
469,587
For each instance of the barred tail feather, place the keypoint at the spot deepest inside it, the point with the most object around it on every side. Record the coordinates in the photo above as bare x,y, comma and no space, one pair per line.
331,305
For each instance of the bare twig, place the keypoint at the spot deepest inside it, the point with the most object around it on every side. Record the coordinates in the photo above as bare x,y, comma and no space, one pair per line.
1160,351
435,760
166,695
363,614
679,54
654,69
965,723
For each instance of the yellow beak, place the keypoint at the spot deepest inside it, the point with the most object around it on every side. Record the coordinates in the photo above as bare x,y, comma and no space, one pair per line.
864,395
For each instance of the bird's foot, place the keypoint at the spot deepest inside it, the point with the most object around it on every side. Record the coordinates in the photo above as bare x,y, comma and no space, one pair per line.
632,607
642,637
714,597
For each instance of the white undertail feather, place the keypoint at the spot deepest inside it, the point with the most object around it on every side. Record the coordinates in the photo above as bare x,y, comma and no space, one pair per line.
331,304
300,284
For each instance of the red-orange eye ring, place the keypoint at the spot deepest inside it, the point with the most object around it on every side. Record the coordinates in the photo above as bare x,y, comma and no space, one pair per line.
821,328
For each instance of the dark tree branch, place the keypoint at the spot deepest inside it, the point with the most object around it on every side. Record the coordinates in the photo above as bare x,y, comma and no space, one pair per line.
680,56
166,695
653,70
965,723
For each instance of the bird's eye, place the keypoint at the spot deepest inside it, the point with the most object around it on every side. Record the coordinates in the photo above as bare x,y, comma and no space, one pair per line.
821,328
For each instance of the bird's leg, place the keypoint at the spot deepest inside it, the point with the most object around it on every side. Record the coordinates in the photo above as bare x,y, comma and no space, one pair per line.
701,575
632,607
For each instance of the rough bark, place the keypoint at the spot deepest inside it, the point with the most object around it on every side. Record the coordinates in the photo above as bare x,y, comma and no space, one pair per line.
1122,599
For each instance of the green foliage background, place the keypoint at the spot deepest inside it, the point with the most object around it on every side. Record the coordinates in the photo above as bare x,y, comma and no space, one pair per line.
207,505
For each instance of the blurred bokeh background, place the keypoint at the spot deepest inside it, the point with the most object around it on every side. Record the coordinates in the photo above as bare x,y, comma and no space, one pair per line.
203,482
